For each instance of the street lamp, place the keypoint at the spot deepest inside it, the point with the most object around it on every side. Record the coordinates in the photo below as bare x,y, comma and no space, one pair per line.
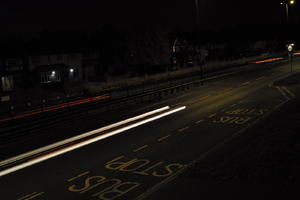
290,48
197,14
287,5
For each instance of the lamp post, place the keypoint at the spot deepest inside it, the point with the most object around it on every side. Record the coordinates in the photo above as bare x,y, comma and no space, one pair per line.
287,4
290,48
197,14
198,29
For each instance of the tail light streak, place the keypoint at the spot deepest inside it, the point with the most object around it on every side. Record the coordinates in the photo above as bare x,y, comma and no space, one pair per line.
55,107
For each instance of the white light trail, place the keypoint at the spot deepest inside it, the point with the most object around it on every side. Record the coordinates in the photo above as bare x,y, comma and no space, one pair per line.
87,134
87,142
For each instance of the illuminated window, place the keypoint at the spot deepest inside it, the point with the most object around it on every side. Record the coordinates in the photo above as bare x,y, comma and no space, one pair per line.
50,77
7,83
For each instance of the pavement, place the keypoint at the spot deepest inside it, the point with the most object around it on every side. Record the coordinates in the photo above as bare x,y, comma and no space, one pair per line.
165,158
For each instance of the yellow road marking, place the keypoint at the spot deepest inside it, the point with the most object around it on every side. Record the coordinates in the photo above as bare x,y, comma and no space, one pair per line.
163,138
226,90
115,159
199,121
33,196
183,129
212,115
26,196
140,148
78,176
260,78
205,97
246,83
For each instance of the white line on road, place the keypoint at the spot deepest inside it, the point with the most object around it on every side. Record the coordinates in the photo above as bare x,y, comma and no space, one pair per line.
260,78
289,92
183,129
86,142
246,83
212,115
199,121
283,93
163,138
205,97
227,90
140,148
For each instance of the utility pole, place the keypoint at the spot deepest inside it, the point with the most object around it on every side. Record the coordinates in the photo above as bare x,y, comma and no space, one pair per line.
287,13
198,32
197,14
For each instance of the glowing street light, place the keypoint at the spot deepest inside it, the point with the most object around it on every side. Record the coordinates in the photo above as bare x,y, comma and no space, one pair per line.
290,48
287,4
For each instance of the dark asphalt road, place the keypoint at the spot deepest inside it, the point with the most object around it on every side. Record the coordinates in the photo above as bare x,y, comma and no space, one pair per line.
138,162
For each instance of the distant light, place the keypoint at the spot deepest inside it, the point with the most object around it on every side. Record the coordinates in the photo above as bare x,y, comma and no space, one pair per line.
71,70
53,73
298,53
281,3
290,47
292,2
268,60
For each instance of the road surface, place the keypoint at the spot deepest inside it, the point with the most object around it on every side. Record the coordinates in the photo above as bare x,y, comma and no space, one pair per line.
136,163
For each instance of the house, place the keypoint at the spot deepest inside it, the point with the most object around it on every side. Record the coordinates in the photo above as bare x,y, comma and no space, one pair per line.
12,68
11,75
42,69
56,68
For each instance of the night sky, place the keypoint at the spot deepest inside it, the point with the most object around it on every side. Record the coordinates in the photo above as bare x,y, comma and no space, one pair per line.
33,15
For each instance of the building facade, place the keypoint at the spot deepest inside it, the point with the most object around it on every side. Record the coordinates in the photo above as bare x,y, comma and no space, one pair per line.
56,68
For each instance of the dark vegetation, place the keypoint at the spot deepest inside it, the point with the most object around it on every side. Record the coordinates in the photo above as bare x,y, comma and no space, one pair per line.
141,50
